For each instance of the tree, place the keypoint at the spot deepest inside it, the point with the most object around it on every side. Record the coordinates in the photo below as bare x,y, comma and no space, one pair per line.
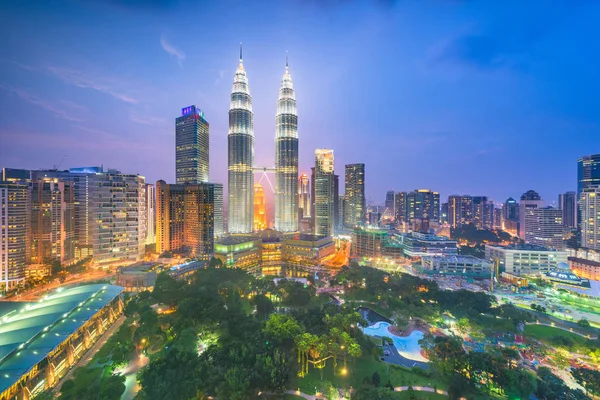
588,378
264,305
112,387
282,327
584,323
376,379
215,263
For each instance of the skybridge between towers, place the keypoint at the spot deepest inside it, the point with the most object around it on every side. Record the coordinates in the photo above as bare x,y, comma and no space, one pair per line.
264,171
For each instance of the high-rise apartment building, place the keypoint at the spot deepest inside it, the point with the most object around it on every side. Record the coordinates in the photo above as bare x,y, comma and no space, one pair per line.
460,210
423,204
567,202
400,206
589,206
240,158
511,210
483,212
14,221
355,195
337,221
191,146
117,203
185,218
588,172
52,221
390,203
286,157
544,227
530,200
260,208
324,200
304,196
219,210
150,219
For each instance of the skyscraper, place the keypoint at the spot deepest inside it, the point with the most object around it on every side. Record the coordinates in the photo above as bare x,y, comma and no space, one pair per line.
191,146
588,172
218,211
511,210
324,192
567,202
304,195
286,157
390,203
400,206
14,219
185,218
240,158
460,210
423,204
260,208
589,206
150,219
544,227
530,200
52,221
337,221
355,212
483,212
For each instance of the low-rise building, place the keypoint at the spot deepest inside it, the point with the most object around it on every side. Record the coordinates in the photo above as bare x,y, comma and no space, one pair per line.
239,251
417,244
525,259
583,268
137,278
307,249
456,265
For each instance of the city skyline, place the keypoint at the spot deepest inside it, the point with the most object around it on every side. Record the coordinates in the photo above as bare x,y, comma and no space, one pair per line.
115,107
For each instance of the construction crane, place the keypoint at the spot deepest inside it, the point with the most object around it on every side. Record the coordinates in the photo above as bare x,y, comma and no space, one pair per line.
57,166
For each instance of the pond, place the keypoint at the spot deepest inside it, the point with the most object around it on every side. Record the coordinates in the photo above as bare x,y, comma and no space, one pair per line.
408,347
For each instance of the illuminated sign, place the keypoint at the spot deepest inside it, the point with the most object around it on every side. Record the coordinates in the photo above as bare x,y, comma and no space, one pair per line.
188,110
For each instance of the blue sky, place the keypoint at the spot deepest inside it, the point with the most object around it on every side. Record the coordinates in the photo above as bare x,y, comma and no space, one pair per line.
479,97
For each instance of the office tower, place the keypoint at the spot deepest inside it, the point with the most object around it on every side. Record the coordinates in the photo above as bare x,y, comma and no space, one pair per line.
304,196
324,192
81,178
218,210
341,212
390,203
118,208
567,202
336,203
313,175
498,217
260,208
444,213
355,212
184,218
14,220
530,200
150,220
511,210
15,175
240,158
400,206
460,210
191,146
544,227
483,212
588,172
52,221
286,157
589,206
423,204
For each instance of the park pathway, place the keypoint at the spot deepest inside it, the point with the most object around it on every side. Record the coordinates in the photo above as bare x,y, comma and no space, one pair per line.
421,389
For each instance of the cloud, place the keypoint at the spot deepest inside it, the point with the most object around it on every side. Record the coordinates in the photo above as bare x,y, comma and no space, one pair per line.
46,104
220,75
146,119
81,80
169,48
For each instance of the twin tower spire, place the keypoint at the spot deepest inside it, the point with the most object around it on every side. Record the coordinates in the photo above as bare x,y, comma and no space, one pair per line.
241,155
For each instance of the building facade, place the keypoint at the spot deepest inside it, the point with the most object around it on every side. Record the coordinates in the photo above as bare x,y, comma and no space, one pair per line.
417,244
544,227
260,208
423,204
583,268
304,196
185,218
589,205
390,204
456,265
525,259
14,222
460,210
219,210
588,172
191,146
355,195
150,220
240,158
400,206
530,200
324,199
286,157
567,202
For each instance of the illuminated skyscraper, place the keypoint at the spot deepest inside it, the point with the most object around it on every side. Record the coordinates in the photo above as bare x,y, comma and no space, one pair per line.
260,208
14,218
191,146
324,201
286,157
241,155
589,204
219,226
304,195
530,200
567,202
150,214
355,195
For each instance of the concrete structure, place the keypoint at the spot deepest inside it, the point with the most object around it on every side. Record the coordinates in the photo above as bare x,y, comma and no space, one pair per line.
14,223
260,208
184,218
530,200
191,146
240,155
544,227
150,221
583,268
41,341
417,244
567,202
52,221
354,214
589,206
286,157
456,265
324,199
525,259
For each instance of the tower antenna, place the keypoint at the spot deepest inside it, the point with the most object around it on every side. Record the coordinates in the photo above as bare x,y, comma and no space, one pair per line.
286,58
240,51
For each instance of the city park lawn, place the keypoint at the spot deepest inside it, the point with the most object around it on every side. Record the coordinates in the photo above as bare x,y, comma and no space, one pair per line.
545,333
365,367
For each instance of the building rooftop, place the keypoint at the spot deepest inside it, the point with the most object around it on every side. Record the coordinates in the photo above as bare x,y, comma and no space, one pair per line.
29,331
309,237
233,240
526,246
458,258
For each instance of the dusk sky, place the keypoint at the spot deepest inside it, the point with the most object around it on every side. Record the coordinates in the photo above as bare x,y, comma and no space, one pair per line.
462,97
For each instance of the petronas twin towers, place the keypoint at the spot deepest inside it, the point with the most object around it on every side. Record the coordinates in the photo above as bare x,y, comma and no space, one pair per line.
241,156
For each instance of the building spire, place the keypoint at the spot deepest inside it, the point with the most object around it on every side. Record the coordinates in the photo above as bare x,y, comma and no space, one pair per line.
286,59
240,51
